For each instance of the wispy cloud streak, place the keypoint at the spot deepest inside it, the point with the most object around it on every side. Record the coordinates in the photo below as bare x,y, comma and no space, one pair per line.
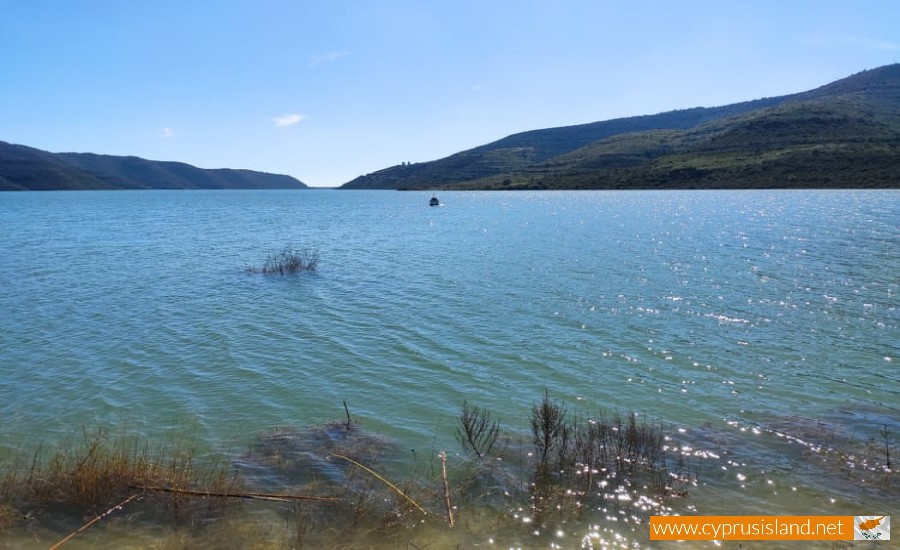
287,120
324,58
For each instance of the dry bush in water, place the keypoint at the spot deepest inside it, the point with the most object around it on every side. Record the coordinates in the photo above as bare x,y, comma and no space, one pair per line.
289,260
476,432
573,457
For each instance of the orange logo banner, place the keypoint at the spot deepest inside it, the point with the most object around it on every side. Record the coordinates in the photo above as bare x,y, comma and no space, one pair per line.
752,527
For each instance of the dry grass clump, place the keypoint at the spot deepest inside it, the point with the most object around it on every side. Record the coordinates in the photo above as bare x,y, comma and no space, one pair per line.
96,471
87,476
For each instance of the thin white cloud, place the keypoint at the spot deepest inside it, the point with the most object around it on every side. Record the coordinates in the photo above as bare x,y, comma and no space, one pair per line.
323,58
167,133
478,87
287,120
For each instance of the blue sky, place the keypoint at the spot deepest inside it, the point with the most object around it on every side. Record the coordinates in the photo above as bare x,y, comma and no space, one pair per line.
326,90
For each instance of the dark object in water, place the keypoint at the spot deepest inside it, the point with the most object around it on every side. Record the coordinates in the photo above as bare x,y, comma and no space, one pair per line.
434,201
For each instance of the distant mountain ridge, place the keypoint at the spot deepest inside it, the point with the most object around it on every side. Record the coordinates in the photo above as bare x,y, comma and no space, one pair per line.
26,168
843,134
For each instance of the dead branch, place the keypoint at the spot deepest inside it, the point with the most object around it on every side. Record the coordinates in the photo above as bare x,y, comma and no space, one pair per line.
257,496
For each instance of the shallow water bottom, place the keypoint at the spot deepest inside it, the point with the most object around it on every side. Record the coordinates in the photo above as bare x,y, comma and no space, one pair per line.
727,469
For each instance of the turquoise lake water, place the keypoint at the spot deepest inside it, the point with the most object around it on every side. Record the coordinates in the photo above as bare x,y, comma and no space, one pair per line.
737,318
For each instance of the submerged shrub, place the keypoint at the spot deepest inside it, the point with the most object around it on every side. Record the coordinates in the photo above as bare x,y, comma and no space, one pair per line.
476,432
549,429
289,260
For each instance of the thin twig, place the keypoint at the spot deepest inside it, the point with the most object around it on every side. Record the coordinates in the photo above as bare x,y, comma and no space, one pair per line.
257,496
349,420
446,488
93,521
386,482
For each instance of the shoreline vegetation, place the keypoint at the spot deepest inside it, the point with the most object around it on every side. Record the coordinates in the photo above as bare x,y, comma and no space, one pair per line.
338,484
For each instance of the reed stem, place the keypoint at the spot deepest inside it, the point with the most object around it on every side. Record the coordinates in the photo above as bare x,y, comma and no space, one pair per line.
383,480
87,525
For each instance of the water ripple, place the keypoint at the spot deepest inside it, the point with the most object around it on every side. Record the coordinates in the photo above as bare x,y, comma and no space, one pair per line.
136,308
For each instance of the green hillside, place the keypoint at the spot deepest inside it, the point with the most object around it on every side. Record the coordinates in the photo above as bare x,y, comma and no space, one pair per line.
26,168
844,134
